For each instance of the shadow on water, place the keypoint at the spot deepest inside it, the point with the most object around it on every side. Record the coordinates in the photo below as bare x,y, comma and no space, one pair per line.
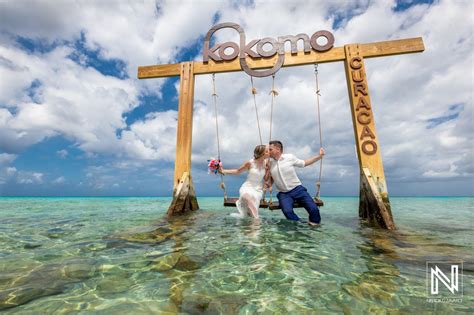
180,264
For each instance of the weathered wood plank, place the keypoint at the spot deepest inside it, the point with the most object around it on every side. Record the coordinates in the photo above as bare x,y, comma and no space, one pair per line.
392,47
185,122
370,50
374,201
180,194
192,195
373,206
159,71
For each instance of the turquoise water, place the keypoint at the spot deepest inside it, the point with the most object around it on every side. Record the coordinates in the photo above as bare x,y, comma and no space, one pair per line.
121,256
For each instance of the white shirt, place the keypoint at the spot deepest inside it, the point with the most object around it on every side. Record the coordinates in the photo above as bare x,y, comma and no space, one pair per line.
283,172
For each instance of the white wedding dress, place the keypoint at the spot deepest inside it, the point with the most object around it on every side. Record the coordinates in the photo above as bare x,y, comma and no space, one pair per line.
252,188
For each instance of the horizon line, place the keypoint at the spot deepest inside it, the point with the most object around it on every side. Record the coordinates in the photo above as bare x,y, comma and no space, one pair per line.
131,196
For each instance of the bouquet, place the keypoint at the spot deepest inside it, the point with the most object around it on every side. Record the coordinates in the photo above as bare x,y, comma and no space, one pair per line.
214,165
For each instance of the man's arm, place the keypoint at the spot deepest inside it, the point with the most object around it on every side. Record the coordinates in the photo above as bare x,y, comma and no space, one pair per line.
314,159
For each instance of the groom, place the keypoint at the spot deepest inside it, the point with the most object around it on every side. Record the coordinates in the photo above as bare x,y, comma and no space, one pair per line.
283,173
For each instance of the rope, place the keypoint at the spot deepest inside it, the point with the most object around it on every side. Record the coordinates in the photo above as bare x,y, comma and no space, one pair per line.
214,96
318,94
274,93
254,92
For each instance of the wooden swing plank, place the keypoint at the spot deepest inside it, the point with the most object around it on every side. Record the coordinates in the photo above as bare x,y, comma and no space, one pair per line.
276,205
231,202
369,50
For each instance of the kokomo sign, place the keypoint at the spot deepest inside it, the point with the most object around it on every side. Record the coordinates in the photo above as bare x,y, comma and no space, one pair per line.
230,50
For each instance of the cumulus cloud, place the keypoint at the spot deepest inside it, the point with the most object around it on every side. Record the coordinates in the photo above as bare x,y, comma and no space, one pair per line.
422,103
26,177
410,93
73,101
154,138
59,180
6,158
62,153
49,94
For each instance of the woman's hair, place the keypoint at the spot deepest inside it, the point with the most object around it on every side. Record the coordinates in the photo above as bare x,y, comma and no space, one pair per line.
259,151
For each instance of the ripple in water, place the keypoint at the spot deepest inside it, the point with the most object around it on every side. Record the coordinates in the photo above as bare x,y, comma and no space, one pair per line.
118,255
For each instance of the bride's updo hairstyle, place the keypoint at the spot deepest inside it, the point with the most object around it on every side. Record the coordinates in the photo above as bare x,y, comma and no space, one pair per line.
259,151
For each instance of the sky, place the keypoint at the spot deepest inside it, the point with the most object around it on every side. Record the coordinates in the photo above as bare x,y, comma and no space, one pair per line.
76,121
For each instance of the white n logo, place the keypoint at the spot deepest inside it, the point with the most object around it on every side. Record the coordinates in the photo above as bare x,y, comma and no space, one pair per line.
438,275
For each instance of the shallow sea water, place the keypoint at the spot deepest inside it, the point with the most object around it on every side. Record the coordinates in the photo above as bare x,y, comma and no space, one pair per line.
122,256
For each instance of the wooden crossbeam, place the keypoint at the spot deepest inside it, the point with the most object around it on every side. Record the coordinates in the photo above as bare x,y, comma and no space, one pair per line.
370,50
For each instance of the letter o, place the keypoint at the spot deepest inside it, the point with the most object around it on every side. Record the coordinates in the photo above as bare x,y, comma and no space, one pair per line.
234,53
271,52
371,143
314,41
362,120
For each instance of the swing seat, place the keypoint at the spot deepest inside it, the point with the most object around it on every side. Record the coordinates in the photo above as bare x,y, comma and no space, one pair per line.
231,202
276,205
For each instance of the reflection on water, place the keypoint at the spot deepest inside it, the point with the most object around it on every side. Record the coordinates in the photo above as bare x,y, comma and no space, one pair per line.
116,255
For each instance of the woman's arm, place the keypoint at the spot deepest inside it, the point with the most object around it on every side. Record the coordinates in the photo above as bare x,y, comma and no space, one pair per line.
235,171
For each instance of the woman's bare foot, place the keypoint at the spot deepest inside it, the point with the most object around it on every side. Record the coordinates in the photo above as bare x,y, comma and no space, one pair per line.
313,224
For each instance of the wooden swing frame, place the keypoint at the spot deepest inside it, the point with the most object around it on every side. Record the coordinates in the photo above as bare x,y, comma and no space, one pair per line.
374,204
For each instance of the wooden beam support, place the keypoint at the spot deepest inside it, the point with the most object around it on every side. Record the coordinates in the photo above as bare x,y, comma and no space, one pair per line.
184,197
374,202
374,207
371,50
184,131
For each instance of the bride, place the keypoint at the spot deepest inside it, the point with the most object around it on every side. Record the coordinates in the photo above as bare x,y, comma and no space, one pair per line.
251,190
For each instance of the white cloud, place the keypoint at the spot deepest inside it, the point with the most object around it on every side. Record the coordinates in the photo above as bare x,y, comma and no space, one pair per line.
27,177
154,138
59,180
62,153
10,171
7,173
6,158
406,91
76,102
81,103
88,107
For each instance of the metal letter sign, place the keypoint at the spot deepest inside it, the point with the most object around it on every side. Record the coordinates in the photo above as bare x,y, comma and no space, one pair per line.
218,52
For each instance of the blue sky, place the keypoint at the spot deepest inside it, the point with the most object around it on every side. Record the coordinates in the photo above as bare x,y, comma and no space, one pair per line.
75,121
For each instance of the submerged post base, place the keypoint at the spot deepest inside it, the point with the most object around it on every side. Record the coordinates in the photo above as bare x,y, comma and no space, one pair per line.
184,197
374,205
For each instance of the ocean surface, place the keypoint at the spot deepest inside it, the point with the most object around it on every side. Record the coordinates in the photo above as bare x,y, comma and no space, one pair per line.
122,256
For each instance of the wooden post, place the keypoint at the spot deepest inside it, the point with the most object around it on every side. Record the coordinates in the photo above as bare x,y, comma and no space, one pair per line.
374,204
184,197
